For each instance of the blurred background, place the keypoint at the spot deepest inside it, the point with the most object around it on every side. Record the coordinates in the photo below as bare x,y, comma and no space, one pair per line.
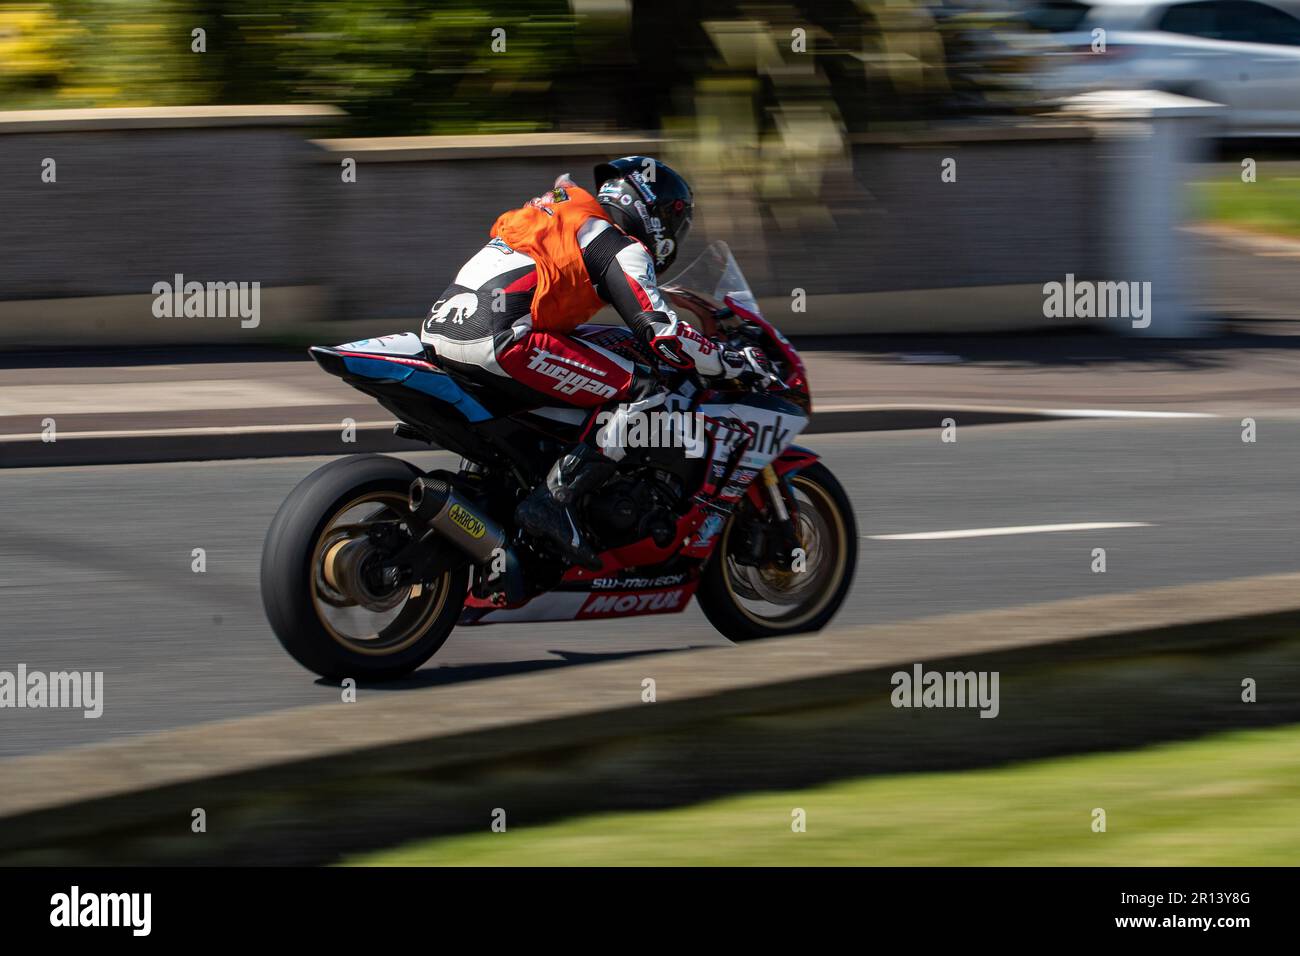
899,180
206,138
414,68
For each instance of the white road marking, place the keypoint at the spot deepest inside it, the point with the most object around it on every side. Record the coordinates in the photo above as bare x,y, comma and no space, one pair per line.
1124,413
1026,410
1014,529
197,430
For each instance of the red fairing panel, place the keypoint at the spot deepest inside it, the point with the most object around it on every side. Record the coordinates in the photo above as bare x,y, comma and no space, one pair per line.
643,553
797,377
635,603
584,605
792,459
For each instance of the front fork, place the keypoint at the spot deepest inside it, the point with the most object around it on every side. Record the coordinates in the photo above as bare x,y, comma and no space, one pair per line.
774,493
786,538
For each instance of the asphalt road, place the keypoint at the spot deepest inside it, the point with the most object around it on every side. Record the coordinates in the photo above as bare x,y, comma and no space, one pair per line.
95,562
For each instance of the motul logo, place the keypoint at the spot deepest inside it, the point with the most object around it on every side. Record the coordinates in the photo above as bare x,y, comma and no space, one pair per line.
634,603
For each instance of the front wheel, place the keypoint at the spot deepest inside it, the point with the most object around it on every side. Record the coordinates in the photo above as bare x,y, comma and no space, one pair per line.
323,582
745,601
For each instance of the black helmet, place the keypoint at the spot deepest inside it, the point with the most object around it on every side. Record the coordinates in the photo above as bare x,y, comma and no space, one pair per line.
649,201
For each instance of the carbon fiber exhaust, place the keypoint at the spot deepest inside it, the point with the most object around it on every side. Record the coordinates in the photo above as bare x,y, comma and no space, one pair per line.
437,504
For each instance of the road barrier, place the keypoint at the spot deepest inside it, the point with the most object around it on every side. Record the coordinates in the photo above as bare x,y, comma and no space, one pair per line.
215,443
100,206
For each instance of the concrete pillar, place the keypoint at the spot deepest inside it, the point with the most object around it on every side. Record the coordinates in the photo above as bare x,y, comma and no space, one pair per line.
1148,141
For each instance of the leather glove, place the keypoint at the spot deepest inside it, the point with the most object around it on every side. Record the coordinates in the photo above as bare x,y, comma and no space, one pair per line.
683,346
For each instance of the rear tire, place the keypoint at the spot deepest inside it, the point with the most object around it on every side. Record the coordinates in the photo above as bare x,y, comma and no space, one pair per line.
724,584
293,587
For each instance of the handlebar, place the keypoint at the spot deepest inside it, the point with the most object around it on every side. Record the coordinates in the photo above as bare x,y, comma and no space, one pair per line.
731,333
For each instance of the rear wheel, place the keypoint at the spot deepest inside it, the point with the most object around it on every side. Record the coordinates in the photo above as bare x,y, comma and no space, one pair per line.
323,587
745,602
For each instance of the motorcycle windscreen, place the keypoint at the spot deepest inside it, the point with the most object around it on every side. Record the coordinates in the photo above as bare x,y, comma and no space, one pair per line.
714,273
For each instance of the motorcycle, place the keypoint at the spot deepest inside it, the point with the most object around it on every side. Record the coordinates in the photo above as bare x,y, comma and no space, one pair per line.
371,562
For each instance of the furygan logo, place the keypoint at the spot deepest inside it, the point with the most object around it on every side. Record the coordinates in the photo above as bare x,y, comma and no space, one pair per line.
567,380
471,525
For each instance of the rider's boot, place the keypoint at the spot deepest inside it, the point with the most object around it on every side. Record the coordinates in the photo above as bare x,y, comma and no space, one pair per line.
547,512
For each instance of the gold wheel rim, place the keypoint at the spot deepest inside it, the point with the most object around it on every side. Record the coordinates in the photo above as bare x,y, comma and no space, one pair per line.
837,548
408,633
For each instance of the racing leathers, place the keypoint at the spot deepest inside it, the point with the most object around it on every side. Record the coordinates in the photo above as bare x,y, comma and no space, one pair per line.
489,326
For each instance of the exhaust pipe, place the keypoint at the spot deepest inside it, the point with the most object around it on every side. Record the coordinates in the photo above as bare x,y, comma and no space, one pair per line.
437,504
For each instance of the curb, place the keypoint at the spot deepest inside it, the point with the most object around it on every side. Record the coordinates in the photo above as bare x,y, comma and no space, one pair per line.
309,784
213,444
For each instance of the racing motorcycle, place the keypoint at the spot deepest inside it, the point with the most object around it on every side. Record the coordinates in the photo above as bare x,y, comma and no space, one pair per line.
371,562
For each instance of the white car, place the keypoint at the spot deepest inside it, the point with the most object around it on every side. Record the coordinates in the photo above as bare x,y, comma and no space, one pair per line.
1244,54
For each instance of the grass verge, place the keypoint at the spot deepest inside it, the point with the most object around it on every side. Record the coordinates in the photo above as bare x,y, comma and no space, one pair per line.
1269,205
1230,799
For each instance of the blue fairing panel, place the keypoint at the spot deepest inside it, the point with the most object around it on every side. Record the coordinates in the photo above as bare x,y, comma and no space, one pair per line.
428,382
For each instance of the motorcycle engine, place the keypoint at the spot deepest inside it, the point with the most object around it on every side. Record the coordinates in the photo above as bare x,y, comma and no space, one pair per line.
635,506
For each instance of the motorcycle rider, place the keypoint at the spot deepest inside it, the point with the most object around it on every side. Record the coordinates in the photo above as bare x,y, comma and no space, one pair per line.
548,267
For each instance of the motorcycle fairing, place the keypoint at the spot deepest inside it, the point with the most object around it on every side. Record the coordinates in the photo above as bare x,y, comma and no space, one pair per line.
773,425
755,431
744,437
405,344
391,367
618,339
797,377
584,605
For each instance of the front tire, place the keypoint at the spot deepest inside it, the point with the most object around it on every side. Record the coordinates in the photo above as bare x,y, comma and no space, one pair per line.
318,538
746,603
